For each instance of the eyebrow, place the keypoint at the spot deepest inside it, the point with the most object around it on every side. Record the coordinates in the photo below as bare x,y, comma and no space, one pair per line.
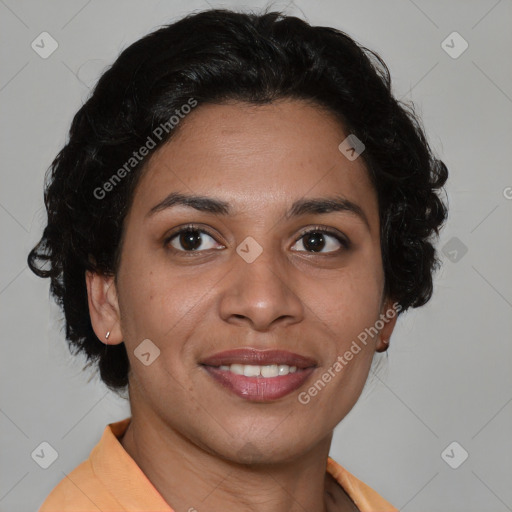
318,206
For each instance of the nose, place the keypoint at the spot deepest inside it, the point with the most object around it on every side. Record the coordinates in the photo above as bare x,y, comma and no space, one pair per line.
261,293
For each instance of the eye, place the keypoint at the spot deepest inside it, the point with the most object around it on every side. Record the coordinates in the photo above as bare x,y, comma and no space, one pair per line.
319,238
190,238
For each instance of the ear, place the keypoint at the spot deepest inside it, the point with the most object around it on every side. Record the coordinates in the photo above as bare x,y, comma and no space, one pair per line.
389,315
104,307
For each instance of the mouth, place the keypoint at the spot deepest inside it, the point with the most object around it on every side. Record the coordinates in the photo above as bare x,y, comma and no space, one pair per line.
259,376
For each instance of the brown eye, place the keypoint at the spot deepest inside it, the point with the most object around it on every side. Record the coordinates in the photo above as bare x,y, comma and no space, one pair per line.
190,239
318,239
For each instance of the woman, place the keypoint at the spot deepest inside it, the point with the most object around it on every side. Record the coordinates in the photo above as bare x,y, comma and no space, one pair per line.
240,215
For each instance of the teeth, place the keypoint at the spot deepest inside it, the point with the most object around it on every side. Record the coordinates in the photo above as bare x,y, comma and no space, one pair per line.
270,371
251,370
237,368
283,369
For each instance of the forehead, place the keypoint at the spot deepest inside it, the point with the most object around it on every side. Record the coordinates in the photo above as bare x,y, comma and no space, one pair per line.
258,158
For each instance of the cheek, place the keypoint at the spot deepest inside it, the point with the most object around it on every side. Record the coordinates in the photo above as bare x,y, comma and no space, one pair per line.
158,303
348,304
144,300
354,322
150,308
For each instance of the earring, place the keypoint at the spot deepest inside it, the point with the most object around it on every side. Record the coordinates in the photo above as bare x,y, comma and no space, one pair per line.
107,335
385,341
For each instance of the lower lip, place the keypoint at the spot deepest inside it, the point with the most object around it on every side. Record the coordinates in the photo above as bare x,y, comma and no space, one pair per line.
260,389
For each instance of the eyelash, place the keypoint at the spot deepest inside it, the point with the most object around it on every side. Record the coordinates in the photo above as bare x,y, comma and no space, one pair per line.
320,229
316,229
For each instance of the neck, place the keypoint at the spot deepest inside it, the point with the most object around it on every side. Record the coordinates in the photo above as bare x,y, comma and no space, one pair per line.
190,477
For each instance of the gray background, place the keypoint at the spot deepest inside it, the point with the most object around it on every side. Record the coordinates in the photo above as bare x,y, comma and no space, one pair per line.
447,375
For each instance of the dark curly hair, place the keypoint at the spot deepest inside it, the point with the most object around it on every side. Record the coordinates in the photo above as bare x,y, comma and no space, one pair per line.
217,56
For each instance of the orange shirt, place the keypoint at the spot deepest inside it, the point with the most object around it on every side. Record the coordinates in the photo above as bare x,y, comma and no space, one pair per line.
110,480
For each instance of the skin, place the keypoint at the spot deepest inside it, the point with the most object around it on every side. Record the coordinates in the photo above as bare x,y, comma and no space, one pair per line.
200,445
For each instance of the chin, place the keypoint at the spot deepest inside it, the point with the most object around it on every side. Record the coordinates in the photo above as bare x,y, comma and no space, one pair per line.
264,451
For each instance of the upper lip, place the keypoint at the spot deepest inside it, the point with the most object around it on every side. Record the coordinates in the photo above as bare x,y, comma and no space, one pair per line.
258,357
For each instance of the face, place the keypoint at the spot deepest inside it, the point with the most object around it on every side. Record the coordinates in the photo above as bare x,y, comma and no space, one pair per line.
253,274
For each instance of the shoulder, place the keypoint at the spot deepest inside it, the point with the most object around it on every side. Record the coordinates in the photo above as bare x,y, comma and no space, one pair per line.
365,498
79,491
